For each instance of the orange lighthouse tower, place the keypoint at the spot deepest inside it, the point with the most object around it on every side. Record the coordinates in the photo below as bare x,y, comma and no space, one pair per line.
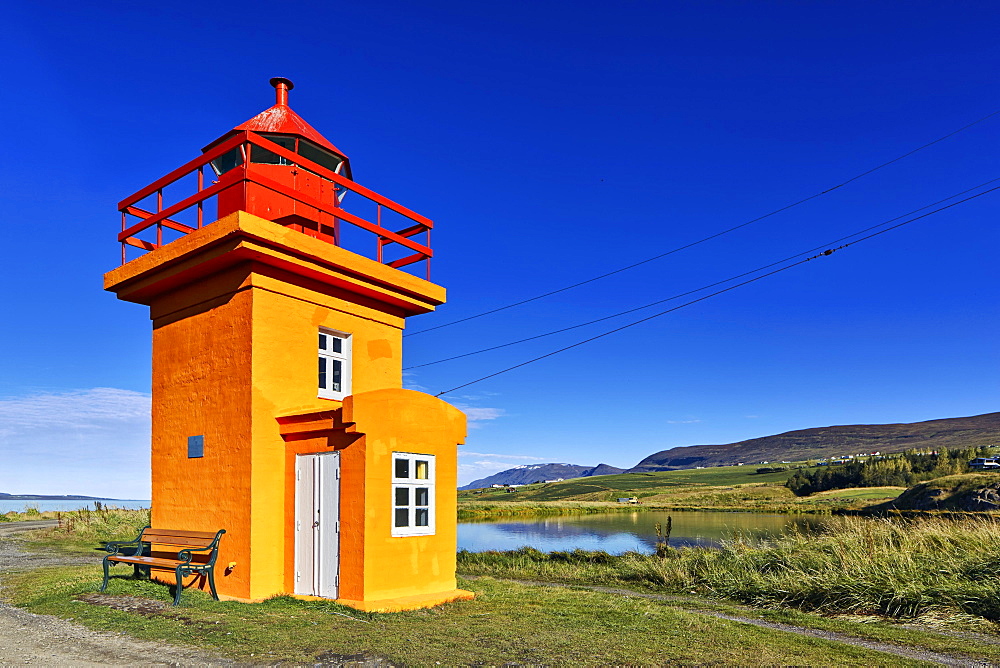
278,408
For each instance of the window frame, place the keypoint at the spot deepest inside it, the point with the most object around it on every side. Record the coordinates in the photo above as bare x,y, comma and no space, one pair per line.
411,484
343,356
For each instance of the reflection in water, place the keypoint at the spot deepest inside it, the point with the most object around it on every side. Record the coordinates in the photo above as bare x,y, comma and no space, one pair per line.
622,532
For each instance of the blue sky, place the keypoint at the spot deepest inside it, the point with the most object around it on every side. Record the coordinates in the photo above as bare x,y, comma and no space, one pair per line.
550,142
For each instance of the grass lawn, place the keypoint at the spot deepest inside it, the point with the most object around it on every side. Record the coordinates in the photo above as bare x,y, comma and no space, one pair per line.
508,622
511,622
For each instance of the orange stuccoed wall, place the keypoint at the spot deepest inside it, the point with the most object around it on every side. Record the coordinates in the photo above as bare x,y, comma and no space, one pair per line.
236,309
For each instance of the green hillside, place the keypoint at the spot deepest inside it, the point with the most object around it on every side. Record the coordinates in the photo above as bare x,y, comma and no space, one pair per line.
640,485
822,442
738,488
646,484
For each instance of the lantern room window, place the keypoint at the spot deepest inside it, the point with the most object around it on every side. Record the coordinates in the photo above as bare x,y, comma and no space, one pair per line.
412,494
334,364
320,156
261,156
227,161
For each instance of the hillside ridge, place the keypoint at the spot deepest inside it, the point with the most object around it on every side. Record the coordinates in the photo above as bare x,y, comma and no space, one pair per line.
529,473
833,441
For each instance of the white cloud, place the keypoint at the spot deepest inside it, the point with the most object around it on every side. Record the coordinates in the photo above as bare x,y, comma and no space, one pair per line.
410,383
463,453
462,402
683,421
480,414
474,397
80,408
469,471
93,442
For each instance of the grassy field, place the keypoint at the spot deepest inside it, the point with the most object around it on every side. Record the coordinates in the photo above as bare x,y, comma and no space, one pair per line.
890,568
933,573
728,488
865,493
507,623
609,487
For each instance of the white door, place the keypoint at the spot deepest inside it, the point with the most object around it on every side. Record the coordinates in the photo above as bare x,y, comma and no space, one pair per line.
317,524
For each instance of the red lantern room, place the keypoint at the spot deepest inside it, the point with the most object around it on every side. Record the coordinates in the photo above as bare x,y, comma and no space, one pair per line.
284,127
277,167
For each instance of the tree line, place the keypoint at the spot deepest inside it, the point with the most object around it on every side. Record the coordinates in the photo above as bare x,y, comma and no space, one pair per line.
902,470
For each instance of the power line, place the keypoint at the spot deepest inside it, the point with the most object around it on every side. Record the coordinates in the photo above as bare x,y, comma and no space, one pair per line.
710,237
825,253
704,287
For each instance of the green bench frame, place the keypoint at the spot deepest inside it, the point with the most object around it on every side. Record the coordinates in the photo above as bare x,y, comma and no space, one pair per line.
188,544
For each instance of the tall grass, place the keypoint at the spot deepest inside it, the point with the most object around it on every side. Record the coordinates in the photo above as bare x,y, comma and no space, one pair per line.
888,567
86,526
483,510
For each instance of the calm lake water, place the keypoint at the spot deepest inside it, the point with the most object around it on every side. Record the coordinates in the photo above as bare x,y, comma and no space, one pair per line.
611,532
623,531
7,505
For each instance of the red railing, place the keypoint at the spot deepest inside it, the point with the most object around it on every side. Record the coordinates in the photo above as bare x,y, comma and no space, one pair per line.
154,223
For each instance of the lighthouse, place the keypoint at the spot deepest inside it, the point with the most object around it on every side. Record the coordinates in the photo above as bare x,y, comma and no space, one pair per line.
278,289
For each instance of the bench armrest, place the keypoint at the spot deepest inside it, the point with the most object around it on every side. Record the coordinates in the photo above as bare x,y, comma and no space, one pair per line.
113,546
186,555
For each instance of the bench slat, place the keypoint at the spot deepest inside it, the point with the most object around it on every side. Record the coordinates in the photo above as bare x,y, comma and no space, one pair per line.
172,540
181,538
183,534
151,561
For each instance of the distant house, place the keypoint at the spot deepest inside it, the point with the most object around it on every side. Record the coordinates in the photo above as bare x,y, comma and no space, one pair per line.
628,499
985,464
556,480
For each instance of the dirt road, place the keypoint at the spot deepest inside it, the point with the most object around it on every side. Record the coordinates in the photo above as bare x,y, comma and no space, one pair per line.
28,639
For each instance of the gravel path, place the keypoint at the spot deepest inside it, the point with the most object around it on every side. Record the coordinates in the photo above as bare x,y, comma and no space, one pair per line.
27,639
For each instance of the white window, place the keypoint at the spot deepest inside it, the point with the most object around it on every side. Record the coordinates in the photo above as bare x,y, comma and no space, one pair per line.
412,494
334,364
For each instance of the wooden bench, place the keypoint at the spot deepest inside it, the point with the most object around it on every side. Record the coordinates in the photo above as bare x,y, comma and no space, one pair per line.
194,552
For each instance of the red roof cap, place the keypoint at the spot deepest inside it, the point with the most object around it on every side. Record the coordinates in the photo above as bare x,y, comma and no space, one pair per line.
281,119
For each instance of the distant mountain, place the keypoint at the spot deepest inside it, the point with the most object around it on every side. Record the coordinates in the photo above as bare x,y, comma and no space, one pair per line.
49,497
964,432
527,474
602,469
